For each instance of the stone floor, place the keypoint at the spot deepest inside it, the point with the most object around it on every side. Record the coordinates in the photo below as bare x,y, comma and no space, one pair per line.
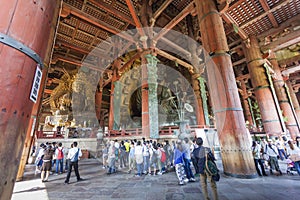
98,185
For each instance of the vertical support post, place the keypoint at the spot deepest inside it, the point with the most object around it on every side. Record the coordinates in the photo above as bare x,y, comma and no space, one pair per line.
112,96
234,140
282,95
262,88
294,99
152,95
16,78
204,100
145,97
199,107
34,119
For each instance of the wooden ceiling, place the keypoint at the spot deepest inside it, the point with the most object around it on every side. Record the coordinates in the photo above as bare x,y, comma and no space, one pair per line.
84,24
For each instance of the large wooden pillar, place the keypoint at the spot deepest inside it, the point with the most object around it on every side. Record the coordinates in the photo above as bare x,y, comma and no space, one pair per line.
34,119
152,95
111,119
27,24
245,102
199,111
30,130
235,142
283,98
196,79
145,101
262,88
294,99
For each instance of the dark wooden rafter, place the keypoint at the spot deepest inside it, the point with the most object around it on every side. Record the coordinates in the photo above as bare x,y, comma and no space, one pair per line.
187,10
94,51
175,59
161,9
86,17
229,20
78,63
270,15
136,20
175,46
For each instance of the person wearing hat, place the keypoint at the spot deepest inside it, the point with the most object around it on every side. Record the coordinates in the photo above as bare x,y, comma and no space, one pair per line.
272,151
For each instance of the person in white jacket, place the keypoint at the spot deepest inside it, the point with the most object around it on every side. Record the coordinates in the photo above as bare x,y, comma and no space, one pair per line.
294,154
272,151
138,154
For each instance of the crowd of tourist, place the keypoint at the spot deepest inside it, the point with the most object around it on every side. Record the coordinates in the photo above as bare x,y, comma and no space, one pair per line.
266,154
54,156
151,158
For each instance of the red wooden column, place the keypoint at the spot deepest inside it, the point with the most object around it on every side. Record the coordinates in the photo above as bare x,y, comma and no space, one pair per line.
199,107
111,107
27,22
285,104
294,99
34,119
235,142
265,98
145,99
30,130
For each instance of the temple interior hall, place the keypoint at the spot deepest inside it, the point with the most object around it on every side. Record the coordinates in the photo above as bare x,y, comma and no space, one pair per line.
98,70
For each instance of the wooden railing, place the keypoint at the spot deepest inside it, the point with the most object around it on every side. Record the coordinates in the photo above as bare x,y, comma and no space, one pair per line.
50,134
163,131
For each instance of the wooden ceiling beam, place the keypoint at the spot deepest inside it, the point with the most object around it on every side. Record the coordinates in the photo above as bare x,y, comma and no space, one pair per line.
161,9
78,63
271,17
173,58
187,10
68,45
177,47
243,60
94,51
136,20
86,17
229,20
283,42
290,70
113,11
